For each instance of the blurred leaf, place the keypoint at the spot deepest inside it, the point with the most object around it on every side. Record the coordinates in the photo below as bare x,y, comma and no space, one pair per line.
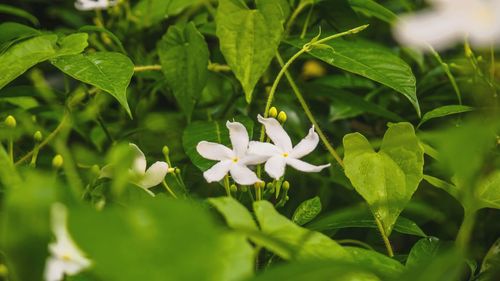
21,56
307,211
236,215
424,251
100,29
13,30
490,267
370,60
345,81
186,74
249,38
448,265
383,264
308,244
444,111
151,12
212,131
487,192
9,177
373,9
448,187
108,71
11,10
386,179
237,258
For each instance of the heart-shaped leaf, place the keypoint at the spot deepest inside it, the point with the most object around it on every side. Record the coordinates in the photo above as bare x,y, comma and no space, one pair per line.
108,71
386,179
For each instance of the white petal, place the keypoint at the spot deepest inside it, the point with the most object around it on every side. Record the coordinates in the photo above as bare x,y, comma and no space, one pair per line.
306,145
154,175
276,133
275,167
303,166
218,171
242,175
440,29
54,269
214,151
239,137
139,164
251,159
263,148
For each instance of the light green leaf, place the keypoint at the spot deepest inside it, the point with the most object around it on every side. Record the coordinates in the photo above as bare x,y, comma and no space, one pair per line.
184,57
370,60
439,183
249,38
13,30
373,9
151,12
236,256
488,191
444,111
386,179
236,215
108,71
423,251
307,244
307,211
388,267
20,57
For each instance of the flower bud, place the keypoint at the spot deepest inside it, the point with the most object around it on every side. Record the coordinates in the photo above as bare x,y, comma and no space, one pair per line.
38,136
285,185
165,150
233,188
10,121
243,188
171,170
282,117
313,69
178,171
57,161
95,169
273,112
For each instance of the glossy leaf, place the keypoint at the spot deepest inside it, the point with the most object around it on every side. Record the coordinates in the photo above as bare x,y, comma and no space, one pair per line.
424,251
151,12
384,265
386,179
23,55
373,9
185,73
108,71
307,211
370,60
249,38
444,111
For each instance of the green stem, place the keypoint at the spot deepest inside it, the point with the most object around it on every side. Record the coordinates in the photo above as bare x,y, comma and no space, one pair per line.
384,237
306,24
226,186
11,149
310,116
465,230
258,192
36,149
446,69
169,189
142,68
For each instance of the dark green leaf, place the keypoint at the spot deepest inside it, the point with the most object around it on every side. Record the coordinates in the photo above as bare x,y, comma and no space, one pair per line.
424,251
11,10
13,30
151,12
373,9
307,211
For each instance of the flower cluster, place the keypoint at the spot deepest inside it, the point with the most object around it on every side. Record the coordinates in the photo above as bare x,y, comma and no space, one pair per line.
450,21
244,153
87,5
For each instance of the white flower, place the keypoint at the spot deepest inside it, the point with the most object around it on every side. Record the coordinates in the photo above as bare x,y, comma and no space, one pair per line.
234,161
87,5
451,21
281,153
65,256
138,173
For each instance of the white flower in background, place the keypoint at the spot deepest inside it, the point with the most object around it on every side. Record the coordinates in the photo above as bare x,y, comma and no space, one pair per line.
281,153
449,22
234,161
138,173
65,258
87,5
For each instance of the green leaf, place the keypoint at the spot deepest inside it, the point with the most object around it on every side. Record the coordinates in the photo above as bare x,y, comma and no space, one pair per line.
307,211
185,73
491,260
11,10
386,266
151,12
444,111
213,131
487,192
448,187
13,30
386,179
108,71
249,38
370,60
23,55
236,257
307,244
236,215
424,251
100,29
373,9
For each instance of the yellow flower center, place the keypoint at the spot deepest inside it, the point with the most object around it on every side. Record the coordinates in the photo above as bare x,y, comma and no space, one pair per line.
235,160
66,257
285,154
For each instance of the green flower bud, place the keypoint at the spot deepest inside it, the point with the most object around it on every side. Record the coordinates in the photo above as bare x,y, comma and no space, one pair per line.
286,185
38,136
171,170
282,117
165,150
178,171
57,161
95,169
243,188
10,121
233,188
273,112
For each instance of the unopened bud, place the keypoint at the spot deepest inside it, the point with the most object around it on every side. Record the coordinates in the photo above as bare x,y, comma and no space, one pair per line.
10,121
38,136
273,112
171,170
243,188
282,117
177,171
95,169
259,184
233,188
57,161
165,150
286,185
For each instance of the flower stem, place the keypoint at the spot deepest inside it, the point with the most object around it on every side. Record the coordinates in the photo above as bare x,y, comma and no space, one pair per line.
36,149
446,69
11,149
465,230
169,189
226,186
384,237
142,68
